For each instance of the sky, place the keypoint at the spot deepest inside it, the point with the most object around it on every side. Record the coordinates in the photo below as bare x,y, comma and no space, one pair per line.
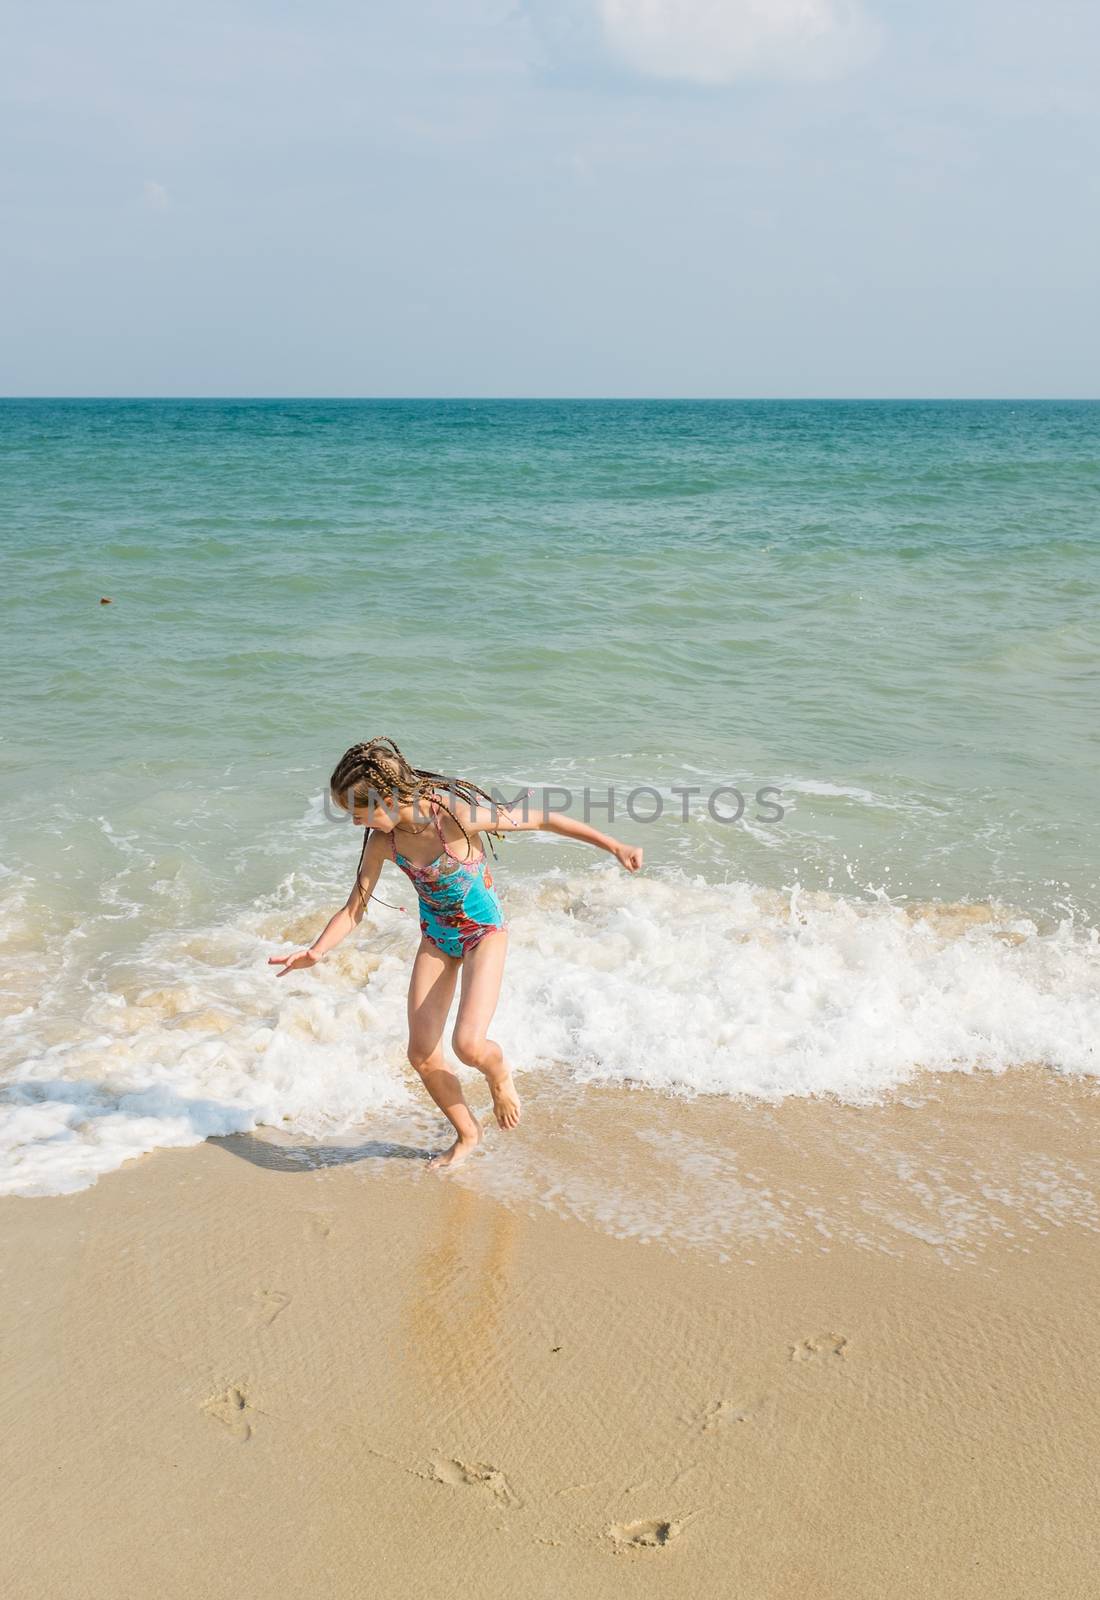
550,197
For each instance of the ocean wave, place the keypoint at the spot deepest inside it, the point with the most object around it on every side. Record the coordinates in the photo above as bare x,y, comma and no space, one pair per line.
666,983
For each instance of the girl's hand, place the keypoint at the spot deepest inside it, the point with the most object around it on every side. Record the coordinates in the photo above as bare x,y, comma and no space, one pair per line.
629,856
292,962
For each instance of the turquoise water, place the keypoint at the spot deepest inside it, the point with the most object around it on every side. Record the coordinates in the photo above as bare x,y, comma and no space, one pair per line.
886,611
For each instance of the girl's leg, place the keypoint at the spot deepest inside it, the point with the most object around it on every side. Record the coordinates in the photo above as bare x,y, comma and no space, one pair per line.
431,990
482,969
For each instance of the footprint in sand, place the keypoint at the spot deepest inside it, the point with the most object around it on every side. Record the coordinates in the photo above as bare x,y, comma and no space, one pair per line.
233,1409
317,1225
269,1303
723,1411
653,1534
821,1347
478,1474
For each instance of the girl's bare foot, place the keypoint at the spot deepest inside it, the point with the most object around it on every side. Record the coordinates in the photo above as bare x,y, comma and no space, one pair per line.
457,1153
506,1103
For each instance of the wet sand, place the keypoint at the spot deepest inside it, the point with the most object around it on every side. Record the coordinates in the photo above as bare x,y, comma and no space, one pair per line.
825,1351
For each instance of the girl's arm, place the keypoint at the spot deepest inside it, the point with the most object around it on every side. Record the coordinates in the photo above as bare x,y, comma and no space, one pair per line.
349,916
505,819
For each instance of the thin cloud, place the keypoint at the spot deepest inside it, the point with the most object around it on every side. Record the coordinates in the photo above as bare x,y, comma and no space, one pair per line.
155,195
721,41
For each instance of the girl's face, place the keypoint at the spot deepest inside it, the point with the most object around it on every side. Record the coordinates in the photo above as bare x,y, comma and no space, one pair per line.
375,816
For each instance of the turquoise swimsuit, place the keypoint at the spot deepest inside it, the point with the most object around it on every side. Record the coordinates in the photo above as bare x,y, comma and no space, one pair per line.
458,903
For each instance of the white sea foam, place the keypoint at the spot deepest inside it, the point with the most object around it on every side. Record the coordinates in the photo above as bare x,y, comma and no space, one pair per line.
666,982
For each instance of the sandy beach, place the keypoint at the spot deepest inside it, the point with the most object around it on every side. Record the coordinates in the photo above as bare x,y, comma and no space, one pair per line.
254,1368
561,538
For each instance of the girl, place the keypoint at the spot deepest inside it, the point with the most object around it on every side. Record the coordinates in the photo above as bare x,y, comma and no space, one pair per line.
459,910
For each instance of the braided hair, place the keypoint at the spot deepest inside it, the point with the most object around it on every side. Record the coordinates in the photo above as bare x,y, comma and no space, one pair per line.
379,768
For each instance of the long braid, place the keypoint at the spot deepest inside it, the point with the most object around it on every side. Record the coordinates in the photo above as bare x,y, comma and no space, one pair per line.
373,768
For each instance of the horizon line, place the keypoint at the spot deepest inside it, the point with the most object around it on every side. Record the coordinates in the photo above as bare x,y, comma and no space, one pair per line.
573,399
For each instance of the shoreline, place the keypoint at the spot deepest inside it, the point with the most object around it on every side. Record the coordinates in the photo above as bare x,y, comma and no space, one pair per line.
235,1373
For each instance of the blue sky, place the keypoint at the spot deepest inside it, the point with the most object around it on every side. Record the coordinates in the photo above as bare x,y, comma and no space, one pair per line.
555,197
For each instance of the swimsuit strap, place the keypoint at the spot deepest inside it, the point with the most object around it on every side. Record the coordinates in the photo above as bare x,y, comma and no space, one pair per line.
393,844
438,826
443,838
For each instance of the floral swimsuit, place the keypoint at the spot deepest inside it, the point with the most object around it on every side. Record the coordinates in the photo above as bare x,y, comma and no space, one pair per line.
458,904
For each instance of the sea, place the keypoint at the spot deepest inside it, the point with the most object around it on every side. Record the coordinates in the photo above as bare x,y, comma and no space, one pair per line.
835,666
